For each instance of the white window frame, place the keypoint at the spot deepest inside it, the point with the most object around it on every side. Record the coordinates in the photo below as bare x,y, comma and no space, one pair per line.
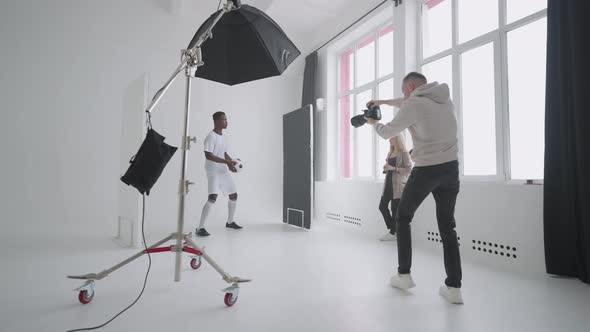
498,38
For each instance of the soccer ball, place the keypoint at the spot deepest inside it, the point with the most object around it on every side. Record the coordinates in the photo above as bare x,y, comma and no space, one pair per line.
239,165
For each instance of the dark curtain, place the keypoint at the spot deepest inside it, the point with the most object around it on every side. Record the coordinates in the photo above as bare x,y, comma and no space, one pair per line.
309,96
567,140
309,81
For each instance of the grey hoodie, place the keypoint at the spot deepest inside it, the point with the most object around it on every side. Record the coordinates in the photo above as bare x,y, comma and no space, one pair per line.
430,117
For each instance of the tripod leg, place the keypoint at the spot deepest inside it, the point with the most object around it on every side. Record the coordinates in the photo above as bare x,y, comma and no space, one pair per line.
104,273
86,291
225,275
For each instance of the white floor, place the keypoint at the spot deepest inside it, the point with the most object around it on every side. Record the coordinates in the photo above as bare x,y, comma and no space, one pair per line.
328,279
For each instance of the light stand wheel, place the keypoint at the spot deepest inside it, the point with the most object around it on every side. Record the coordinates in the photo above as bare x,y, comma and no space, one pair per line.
85,296
196,263
229,299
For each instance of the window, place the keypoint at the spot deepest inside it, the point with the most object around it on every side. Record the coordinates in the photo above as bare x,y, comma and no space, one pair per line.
437,27
365,72
517,9
346,80
476,18
363,138
345,137
479,111
440,70
492,55
366,61
526,90
385,92
386,51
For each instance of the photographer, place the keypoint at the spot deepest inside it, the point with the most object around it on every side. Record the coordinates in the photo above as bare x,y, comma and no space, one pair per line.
428,113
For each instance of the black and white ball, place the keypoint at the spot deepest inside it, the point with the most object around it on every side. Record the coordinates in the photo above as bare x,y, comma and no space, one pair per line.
239,165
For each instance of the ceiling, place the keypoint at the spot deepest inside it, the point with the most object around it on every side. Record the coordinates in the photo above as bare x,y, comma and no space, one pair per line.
308,23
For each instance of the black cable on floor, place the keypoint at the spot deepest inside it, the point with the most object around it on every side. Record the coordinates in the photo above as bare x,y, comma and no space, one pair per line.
144,281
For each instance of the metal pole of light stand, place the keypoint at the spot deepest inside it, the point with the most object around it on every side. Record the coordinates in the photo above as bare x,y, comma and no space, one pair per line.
192,59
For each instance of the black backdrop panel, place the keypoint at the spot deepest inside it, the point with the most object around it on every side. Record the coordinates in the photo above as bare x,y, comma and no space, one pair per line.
297,167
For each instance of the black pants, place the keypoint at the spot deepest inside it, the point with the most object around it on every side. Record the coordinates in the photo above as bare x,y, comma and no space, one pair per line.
443,182
389,216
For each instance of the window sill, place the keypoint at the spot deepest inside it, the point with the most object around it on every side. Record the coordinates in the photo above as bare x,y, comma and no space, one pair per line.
463,180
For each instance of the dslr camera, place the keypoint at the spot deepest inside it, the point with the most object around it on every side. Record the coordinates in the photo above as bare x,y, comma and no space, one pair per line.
373,111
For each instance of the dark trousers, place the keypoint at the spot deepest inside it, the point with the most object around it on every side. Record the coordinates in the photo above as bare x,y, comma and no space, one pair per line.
389,216
443,182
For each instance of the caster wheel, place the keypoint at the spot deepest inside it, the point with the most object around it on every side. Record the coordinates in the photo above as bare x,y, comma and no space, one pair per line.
229,299
85,296
195,263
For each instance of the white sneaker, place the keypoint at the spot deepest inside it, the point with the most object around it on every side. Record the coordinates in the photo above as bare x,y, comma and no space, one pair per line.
402,281
388,237
451,294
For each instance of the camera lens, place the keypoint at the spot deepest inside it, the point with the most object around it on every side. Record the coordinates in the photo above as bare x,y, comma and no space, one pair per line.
358,120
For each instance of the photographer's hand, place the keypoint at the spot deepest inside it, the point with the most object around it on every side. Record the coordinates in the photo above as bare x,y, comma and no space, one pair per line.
374,102
371,121
390,168
397,102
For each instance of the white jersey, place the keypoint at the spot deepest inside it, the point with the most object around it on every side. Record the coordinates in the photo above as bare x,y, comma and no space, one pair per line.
217,145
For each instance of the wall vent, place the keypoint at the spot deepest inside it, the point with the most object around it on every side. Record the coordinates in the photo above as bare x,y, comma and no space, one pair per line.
494,248
435,237
333,216
353,220
343,218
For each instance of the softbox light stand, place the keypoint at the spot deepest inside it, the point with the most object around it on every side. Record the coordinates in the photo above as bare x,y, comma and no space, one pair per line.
190,61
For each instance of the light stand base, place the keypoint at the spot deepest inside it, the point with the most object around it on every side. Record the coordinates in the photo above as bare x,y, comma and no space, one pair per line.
87,290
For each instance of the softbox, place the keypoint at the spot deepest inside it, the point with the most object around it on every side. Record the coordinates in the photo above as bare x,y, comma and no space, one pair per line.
149,162
246,45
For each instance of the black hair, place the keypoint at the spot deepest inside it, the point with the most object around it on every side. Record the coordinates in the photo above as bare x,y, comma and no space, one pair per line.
217,115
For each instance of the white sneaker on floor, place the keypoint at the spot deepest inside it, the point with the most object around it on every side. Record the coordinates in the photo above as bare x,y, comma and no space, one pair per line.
402,281
451,294
388,237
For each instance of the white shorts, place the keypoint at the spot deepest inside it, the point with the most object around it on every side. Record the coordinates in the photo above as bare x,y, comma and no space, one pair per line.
220,183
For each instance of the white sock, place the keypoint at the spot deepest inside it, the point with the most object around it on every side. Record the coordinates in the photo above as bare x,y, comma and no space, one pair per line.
231,211
205,213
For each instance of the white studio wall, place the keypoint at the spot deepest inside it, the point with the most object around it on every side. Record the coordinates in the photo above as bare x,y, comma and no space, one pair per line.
133,130
64,73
